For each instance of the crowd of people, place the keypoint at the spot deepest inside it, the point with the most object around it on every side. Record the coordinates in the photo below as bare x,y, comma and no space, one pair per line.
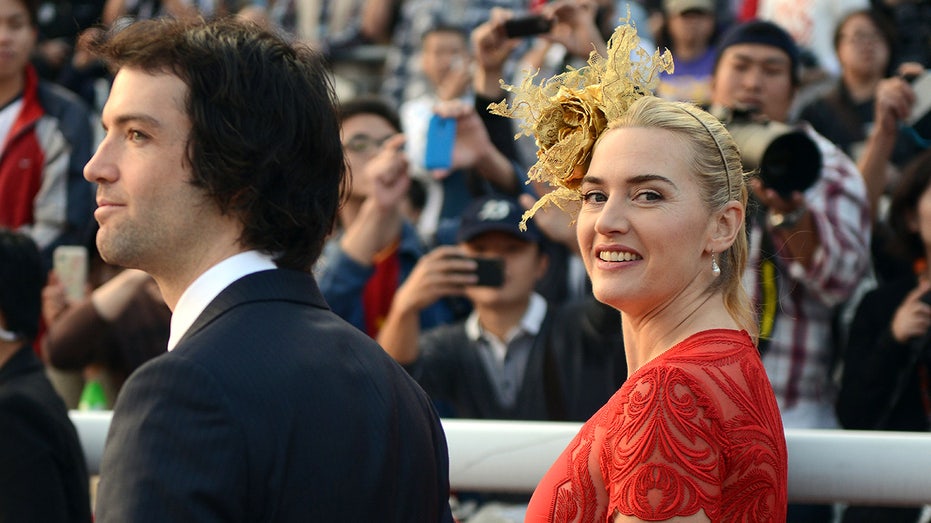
263,229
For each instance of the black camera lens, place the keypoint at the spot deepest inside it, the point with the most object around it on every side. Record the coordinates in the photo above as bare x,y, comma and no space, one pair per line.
792,162
786,158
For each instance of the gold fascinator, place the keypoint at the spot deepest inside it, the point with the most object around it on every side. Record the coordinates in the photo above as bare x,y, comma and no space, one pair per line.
568,112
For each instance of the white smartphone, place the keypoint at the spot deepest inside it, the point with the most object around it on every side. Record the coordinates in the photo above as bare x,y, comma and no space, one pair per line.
70,265
922,88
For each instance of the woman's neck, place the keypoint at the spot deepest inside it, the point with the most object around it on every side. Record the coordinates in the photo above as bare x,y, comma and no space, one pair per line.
649,336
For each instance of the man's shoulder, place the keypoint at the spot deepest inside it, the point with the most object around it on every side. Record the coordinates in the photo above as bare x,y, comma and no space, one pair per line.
284,286
447,333
30,401
275,314
26,382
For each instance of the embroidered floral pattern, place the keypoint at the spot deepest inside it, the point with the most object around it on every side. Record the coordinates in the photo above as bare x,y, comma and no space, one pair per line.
697,428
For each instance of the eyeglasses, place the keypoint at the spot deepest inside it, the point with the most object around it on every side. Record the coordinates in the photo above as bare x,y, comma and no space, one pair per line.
862,38
364,144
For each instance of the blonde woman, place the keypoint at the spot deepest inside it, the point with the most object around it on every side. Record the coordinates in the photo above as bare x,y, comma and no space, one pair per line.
695,433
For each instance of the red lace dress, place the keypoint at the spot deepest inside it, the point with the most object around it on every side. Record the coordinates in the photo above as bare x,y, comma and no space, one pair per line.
696,428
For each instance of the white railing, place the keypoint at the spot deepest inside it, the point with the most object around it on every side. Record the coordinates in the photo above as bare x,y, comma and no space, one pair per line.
825,466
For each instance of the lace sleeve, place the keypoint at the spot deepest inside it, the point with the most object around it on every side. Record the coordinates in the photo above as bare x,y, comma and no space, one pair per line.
665,457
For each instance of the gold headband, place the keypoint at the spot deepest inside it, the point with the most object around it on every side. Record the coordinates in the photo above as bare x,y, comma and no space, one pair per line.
568,112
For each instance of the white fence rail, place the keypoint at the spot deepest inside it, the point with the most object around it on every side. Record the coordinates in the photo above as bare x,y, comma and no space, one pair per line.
825,466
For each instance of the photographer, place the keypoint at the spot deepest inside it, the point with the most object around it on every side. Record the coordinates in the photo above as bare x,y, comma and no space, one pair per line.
809,248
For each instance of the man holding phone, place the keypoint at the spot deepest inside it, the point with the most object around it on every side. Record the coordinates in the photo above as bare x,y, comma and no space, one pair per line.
490,365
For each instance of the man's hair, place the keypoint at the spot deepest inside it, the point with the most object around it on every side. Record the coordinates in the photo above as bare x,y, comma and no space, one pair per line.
264,140
370,105
22,276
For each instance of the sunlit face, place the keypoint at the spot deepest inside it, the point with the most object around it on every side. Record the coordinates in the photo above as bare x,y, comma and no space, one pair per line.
362,136
524,265
642,227
150,215
861,48
441,52
17,38
754,76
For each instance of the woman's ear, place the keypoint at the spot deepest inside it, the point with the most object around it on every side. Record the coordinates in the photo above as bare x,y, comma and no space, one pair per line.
726,226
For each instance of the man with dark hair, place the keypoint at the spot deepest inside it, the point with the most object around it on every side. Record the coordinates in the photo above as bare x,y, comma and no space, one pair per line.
47,136
220,175
43,476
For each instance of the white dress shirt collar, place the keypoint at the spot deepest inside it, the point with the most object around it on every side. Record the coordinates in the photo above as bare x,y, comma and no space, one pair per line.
210,284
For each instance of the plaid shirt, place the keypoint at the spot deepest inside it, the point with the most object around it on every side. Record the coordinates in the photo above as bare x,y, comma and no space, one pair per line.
799,353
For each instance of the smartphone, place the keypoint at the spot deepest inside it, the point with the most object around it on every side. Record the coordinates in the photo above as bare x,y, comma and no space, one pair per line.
490,271
922,87
441,137
527,26
70,265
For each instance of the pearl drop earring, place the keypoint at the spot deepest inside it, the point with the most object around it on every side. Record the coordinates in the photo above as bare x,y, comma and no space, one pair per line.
715,269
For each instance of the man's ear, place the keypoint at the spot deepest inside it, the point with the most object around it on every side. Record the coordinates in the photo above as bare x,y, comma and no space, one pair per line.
726,226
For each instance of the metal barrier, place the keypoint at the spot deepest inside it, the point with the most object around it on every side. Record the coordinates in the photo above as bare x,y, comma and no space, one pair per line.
825,466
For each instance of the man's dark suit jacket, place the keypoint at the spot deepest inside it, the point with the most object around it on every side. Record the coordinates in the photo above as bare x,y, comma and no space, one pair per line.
272,408
43,475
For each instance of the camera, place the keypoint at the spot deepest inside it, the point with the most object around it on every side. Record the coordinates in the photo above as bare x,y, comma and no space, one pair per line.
527,26
786,158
